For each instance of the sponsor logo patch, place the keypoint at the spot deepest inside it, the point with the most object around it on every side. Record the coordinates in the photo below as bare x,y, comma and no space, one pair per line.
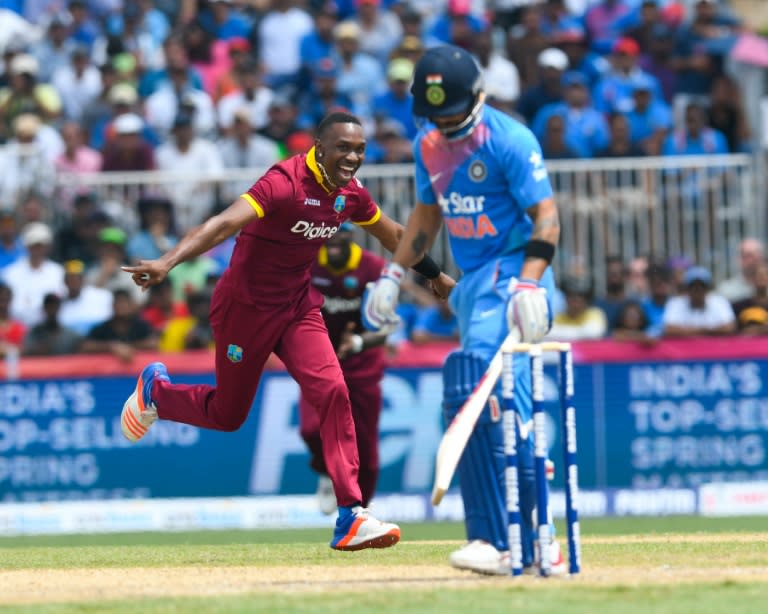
340,203
312,202
310,231
234,353
477,171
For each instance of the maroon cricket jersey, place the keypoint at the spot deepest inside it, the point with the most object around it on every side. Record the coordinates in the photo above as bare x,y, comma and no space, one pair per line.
297,215
343,291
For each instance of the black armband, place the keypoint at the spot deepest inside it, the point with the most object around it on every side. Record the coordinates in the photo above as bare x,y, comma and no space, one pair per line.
536,248
427,267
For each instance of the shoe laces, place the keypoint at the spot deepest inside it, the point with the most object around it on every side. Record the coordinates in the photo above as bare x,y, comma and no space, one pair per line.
361,511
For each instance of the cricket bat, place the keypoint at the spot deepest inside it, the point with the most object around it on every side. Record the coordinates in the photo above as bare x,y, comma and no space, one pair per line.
460,429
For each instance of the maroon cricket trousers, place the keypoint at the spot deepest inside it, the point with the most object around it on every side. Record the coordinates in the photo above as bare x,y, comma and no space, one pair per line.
297,334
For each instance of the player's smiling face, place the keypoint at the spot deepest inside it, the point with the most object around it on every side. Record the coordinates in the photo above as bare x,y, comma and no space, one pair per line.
341,151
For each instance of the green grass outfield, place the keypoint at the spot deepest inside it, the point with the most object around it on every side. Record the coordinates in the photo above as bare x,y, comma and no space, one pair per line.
675,564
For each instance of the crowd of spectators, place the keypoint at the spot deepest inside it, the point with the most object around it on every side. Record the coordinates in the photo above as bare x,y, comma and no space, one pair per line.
207,85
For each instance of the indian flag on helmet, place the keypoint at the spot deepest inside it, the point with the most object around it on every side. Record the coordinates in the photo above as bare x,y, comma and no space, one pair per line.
434,79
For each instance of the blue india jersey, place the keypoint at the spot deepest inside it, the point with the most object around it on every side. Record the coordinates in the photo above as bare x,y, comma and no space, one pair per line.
483,184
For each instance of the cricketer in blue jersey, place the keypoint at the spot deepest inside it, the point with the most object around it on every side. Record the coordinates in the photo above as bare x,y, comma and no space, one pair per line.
480,173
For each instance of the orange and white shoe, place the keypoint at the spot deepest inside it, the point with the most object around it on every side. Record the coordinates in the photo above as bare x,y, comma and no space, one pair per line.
356,529
140,411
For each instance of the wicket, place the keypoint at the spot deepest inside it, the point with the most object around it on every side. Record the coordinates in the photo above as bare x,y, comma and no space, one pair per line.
568,423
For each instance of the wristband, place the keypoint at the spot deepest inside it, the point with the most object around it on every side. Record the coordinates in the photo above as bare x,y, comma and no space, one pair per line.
536,248
357,343
427,267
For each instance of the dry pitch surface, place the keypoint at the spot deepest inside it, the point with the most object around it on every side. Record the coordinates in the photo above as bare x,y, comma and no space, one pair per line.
620,571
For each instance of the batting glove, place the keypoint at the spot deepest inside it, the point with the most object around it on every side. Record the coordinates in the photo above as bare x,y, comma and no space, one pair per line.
528,311
380,300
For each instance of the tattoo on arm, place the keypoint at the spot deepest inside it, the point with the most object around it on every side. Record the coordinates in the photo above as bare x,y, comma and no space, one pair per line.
419,242
547,226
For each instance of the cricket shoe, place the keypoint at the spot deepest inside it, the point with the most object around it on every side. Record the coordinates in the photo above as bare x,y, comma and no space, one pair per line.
140,411
326,498
481,557
557,562
356,529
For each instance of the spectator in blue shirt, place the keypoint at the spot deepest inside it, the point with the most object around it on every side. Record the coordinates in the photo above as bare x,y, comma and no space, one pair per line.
397,103
605,21
696,138
360,77
586,131
437,323
322,97
318,44
614,92
223,21
83,28
661,287
549,90
11,246
555,147
573,41
651,118
457,24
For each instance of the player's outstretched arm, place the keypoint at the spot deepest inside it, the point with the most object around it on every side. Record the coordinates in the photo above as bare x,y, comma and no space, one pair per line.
197,241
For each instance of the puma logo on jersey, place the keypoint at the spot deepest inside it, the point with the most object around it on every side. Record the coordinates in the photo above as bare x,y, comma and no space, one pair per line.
313,202
310,231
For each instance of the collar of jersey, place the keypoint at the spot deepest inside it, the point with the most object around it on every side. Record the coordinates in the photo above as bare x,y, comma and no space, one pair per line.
355,255
312,165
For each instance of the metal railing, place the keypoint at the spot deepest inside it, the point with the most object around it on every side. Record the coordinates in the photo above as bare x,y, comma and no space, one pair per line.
698,206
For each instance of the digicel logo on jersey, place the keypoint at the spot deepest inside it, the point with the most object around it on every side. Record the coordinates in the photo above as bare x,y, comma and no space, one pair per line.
310,231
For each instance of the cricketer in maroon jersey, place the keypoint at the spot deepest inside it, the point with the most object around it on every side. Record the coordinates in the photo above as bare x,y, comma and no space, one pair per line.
264,303
340,273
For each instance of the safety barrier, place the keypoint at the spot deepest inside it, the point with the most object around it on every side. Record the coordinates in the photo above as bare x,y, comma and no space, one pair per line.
697,206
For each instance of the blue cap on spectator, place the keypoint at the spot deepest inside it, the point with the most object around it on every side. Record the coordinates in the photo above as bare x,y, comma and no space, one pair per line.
697,273
325,68
643,81
574,77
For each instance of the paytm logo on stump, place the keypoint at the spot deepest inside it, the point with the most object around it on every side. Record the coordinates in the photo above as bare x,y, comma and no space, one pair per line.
310,231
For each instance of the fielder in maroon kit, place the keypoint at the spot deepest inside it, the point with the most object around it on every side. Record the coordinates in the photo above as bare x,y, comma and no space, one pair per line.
264,303
340,273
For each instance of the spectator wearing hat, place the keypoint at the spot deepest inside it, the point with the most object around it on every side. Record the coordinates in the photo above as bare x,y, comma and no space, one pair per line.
12,331
605,21
324,97
501,80
581,319
586,131
244,148
25,94
11,246
175,96
78,83
650,118
54,50
397,103
83,305
572,40
124,333
457,25
129,150
26,164
280,34
156,234
380,29
77,238
50,337
250,95
524,45
360,77
698,312
752,312
122,98
614,92
33,276
105,272
552,64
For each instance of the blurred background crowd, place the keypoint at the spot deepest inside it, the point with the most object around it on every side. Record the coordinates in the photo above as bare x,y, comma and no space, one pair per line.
88,86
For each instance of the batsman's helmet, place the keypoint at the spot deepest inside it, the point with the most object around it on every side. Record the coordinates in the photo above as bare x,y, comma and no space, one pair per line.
447,81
